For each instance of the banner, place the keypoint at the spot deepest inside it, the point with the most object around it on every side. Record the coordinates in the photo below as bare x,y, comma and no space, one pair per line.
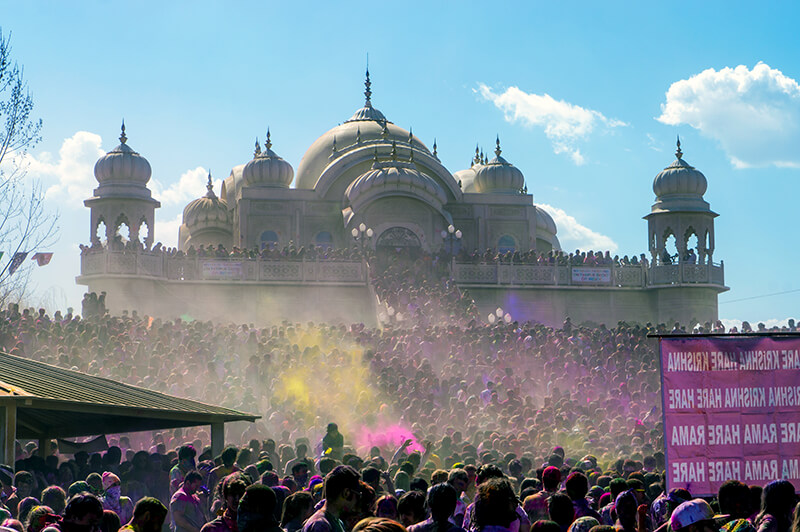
16,261
731,411
221,269
42,259
581,275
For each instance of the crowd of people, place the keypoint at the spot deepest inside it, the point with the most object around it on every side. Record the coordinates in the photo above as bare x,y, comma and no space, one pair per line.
437,422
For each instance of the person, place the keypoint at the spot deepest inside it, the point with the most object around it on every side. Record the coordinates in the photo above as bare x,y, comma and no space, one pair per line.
333,442
577,486
378,524
256,512
536,505
693,516
148,516
411,508
301,456
734,500
777,502
186,507
561,510
626,507
228,466
39,518
495,505
233,487
296,509
110,522
113,500
458,479
386,506
342,491
186,463
23,486
84,513
441,503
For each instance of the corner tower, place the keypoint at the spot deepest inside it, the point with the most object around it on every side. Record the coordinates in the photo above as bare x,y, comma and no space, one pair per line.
680,211
122,197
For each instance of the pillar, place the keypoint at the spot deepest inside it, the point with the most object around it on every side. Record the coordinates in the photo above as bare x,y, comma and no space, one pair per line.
8,433
217,438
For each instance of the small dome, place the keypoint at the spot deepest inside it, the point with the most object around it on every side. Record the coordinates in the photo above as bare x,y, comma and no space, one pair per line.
679,179
394,175
466,177
207,212
545,222
499,176
267,169
122,165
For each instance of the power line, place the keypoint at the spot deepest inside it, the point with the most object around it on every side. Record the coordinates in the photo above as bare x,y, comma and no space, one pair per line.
761,296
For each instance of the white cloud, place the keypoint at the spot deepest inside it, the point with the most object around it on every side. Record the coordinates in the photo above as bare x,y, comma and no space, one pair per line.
564,123
70,176
753,114
573,235
191,185
167,231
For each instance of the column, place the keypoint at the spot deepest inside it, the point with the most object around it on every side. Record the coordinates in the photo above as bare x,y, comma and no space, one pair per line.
8,433
217,438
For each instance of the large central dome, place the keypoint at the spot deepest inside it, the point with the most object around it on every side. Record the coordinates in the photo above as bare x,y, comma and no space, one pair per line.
367,126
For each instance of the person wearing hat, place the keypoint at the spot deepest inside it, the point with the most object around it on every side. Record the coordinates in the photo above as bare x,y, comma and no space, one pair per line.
693,516
113,500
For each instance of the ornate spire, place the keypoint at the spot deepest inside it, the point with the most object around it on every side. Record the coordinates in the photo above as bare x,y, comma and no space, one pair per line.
375,155
394,150
122,138
385,131
483,158
477,158
497,150
411,136
210,187
333,148
358,135
678,153
411,155
257,151
367,89
268,142
435,152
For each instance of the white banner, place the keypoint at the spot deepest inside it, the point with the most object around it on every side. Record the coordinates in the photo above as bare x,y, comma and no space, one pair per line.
222,269
581,275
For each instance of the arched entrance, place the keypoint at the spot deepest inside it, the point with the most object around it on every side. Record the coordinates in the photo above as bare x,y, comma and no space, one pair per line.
398,242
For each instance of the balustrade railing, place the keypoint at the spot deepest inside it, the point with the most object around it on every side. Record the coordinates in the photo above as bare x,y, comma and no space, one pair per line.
629,276
160,265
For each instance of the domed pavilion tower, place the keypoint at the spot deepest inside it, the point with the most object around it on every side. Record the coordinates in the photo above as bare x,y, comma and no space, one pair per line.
680,211
122,197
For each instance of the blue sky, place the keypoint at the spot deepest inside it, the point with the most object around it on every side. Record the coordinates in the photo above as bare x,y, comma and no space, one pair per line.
587,99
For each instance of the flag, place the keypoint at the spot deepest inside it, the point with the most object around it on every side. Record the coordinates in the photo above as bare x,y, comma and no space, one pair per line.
43,259
1,254
17,261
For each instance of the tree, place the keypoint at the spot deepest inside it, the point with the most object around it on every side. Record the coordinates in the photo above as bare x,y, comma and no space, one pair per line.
25,224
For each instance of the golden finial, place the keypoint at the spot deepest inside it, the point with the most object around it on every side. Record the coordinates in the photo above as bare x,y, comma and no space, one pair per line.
679,153
257,151
477,158
358,135
367,89
435,153
375,155
385,131
394,150
268,142
497,150
122,138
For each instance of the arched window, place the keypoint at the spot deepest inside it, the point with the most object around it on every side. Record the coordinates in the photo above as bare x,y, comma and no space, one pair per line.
324,240
269,239
506,243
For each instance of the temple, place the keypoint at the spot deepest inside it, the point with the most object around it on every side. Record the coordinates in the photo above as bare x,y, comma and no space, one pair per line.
369,184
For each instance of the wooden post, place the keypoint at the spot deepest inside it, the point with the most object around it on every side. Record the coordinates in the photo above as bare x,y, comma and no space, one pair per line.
8,433
217,438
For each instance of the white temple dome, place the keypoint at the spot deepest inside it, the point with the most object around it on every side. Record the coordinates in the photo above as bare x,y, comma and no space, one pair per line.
367,126
396,176
122,165
545,222
679,179
267,169
207,212
499,176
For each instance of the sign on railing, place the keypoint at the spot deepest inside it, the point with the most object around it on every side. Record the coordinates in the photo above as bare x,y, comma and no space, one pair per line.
583,275
222,269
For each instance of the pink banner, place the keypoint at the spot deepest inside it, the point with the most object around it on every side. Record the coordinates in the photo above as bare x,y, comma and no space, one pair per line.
731,411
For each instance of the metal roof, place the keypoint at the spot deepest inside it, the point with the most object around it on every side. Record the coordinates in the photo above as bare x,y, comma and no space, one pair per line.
58,402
